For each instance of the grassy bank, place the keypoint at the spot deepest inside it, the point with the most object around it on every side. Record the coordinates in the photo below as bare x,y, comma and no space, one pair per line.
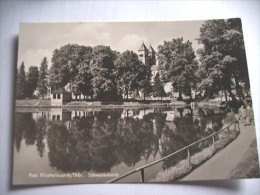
183,167
33,103
38,103
248,167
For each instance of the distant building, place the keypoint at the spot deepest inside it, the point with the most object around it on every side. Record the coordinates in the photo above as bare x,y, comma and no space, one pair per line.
147,56
59,97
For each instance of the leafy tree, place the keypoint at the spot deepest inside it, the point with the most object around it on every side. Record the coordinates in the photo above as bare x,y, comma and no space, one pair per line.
158,90
223,59
42,81
178,65
127,69
31,80
65,65
84,77
20,83
144,80
103,71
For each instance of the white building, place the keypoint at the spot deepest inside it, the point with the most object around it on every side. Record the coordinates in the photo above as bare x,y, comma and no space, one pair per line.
59,97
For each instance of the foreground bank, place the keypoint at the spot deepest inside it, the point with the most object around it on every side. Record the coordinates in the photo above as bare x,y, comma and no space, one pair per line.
215,168
186,166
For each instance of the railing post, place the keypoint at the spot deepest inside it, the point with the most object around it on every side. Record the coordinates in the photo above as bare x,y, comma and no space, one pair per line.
188,156
142,175
213,142
228,133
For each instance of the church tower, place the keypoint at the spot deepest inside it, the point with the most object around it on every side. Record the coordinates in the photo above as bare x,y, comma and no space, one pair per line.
143,54
151,54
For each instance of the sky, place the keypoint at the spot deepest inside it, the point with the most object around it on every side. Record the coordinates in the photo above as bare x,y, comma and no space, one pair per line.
39,40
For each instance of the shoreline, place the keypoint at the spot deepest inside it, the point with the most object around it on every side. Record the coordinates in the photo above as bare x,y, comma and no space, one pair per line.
95,104
36,103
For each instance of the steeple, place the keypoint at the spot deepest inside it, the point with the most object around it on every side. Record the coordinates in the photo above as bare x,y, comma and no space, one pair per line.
147,56
151,49
151,55
143,53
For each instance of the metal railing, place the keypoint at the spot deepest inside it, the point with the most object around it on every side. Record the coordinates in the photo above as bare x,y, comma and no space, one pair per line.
141,169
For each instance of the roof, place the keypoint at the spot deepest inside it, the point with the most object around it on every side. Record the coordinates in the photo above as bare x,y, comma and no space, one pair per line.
151,49
143,48
59,91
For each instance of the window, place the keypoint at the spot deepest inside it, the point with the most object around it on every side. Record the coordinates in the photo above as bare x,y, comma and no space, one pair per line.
54,96
58,117
58,96
141,55
53,117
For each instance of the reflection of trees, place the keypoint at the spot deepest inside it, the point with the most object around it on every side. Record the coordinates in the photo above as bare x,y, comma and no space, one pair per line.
159,119
24,127
101,140
128,139
18,130
187,131
138,139
30,130
63,154
102,145
41,125
170,143
98,141
87,145
150,138
135,139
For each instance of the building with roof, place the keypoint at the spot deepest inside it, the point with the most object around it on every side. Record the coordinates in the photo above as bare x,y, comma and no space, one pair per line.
59,97
147,56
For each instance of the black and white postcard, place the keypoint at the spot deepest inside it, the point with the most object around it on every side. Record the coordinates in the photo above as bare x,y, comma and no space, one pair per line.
123,102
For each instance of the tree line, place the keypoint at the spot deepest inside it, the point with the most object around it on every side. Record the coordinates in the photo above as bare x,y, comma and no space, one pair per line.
104,74
35,78
98,72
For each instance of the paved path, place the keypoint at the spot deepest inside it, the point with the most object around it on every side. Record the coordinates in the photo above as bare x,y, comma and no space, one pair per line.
224,161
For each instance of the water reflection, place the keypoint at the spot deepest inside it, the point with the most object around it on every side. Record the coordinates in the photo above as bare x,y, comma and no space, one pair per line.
97,141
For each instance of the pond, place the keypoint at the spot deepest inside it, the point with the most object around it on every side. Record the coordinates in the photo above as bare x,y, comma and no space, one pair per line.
57,146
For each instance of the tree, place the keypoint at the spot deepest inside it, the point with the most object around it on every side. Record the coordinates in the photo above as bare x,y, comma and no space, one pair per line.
65,65
84,77
127,69
20,83
103,71
158,90
144,80
177,64
31,80
223,59
42,81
